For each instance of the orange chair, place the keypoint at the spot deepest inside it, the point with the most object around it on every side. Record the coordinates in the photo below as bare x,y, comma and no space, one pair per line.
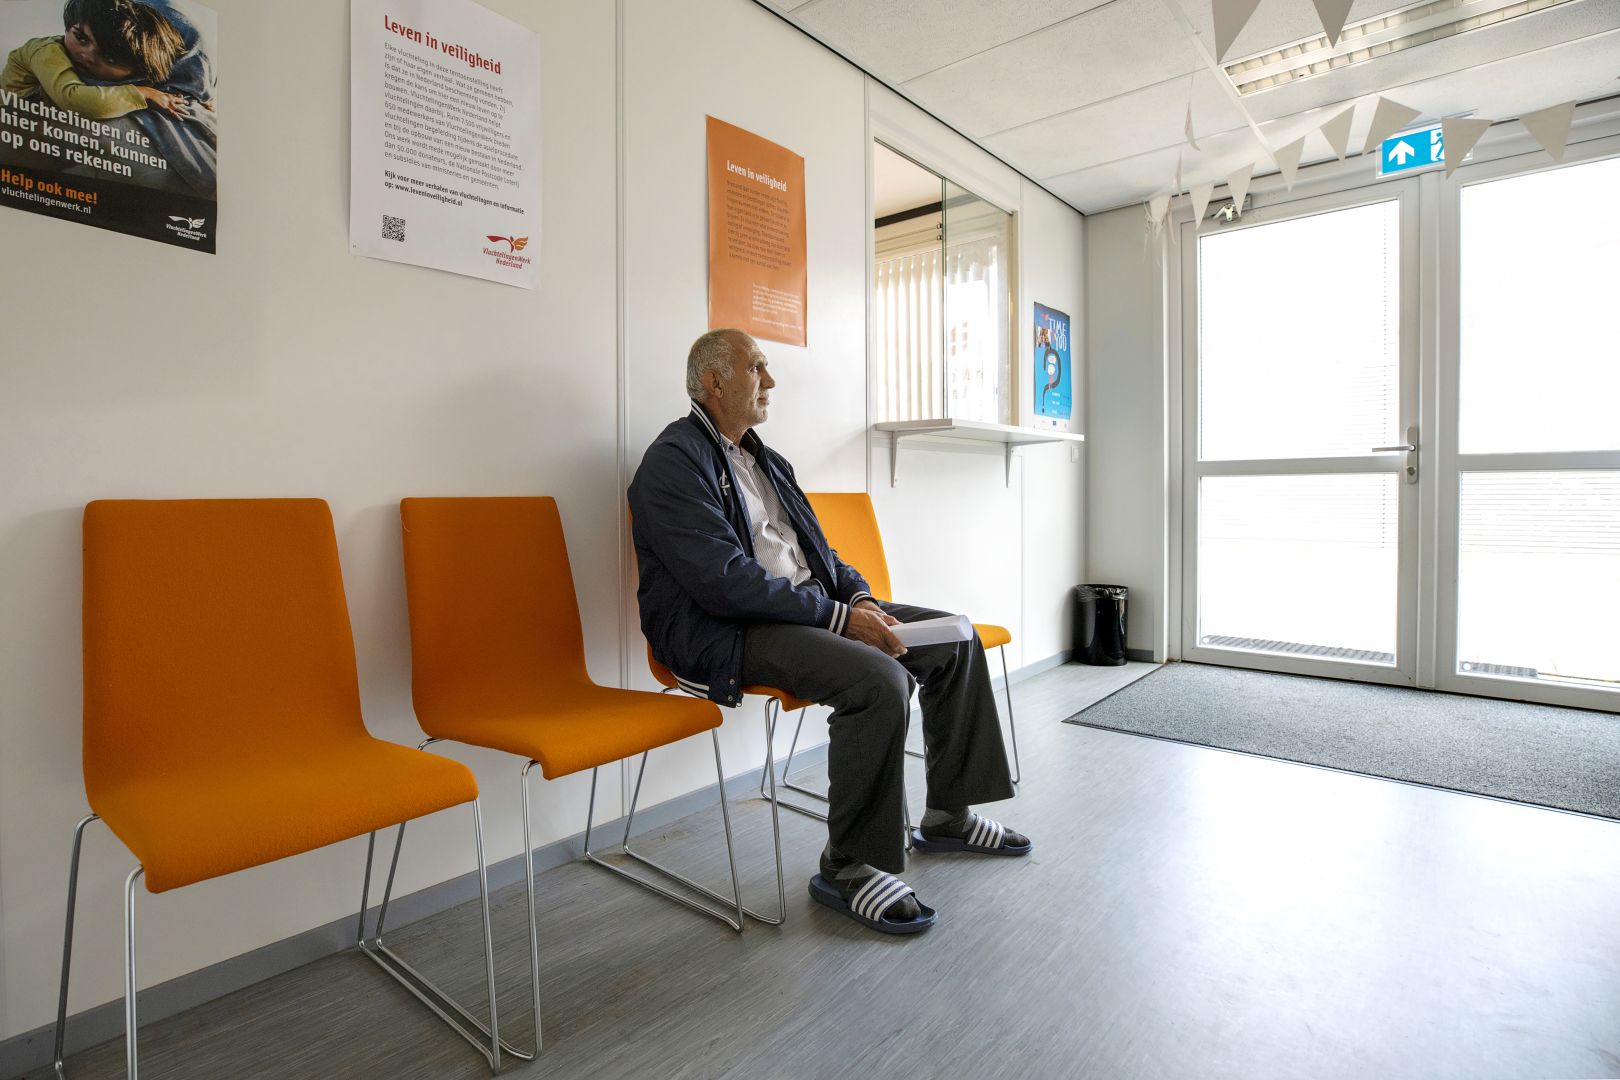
498,661
222,725
851,527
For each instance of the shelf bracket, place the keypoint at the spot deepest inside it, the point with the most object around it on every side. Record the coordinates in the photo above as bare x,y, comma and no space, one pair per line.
894,457
1009,464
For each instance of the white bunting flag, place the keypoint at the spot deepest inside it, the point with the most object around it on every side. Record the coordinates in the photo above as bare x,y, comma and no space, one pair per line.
1192,140
1332,13
1200,203
1230,17
1459,134
1158,208
1551,128
1388,118
1238,185
1337,132
1287,159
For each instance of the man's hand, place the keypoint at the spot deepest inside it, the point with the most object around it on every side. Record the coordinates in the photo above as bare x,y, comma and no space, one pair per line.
873,606
870,624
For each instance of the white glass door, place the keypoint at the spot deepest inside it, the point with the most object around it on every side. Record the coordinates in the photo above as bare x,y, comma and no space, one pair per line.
1529,463
1300,398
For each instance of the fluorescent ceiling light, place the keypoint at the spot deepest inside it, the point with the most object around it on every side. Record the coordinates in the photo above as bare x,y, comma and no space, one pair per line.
1372,38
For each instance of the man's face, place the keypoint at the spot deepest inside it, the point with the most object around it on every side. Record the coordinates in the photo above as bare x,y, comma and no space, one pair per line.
745,398
86,56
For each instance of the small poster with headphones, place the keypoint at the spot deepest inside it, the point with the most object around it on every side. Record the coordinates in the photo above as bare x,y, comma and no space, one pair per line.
107,116
1053,396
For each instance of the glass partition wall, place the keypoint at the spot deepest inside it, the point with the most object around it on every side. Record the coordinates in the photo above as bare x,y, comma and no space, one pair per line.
942,297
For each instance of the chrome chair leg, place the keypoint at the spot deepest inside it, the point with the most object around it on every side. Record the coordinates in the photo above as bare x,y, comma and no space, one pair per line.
1012,725
773,797
733,901
419,985
67,945
773,712
130,1022
770,736
534,912
725,816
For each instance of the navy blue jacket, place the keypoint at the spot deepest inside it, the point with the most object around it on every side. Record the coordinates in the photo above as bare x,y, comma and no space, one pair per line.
700,584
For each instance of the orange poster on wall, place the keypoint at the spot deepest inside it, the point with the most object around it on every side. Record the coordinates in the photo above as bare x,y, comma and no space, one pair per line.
757,272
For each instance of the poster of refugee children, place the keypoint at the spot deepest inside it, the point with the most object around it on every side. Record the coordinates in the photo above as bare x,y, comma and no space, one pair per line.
107,115
1054,401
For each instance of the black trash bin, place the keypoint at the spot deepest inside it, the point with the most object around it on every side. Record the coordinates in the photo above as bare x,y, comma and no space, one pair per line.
1099,624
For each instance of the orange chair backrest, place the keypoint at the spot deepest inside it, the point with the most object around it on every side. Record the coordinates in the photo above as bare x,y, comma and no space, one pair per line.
214,629
494,620
851,527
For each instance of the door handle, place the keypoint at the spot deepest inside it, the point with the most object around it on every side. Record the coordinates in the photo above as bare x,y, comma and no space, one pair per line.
1410,449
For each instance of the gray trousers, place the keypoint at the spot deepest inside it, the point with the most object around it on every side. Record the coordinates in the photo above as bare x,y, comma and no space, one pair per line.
870,695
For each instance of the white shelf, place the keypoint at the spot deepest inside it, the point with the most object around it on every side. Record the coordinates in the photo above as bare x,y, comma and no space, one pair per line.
970,430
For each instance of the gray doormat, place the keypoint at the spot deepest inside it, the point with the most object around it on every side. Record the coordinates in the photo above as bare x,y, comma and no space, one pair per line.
1568,759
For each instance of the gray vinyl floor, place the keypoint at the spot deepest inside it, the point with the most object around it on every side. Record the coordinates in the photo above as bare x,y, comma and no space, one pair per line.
1187,912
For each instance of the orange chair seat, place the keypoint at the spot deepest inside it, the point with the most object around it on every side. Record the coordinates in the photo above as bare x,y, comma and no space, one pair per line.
789,702
991,635
666,677
574,727
190,823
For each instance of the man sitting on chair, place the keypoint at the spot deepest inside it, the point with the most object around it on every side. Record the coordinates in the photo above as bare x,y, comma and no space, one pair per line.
739,588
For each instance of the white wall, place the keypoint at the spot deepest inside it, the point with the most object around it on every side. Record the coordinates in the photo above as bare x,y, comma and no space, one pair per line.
1054,261
1126,481
283,366
286,367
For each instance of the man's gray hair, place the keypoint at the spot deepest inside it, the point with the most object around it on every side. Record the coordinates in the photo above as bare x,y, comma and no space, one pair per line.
714,352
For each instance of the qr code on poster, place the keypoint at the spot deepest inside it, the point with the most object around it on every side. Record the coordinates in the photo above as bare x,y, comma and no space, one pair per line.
393,228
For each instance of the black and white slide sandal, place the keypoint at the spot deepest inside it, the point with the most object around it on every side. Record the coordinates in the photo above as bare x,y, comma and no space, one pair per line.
986,837
869,902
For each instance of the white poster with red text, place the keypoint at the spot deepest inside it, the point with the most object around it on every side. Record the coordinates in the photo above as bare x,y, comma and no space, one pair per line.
445,139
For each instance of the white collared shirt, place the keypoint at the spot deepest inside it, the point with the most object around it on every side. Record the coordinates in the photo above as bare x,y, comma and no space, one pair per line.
776,544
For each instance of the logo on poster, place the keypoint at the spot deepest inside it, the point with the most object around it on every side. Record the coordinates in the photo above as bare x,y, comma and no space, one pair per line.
188,227
509,258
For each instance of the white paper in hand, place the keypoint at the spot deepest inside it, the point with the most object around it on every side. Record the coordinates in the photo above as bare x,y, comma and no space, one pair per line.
934,631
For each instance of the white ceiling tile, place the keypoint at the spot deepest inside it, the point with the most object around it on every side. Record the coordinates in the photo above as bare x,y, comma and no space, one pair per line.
1147,119
1581,70
1555,26
1088,95
1276,23
1106,52
1138,178
902,39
